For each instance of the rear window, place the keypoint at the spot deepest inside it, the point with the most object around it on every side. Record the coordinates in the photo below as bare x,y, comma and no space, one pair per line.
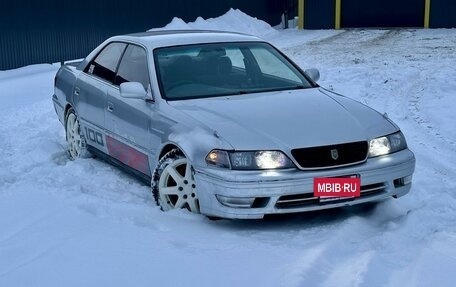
105,63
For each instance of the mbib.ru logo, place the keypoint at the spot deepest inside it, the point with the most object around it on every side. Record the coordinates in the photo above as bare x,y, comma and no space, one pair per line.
337,187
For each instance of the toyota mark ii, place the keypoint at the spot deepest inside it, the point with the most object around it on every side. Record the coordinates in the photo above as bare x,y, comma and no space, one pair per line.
224,124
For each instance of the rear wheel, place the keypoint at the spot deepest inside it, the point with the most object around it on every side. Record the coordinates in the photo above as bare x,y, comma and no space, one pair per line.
173,184
76,145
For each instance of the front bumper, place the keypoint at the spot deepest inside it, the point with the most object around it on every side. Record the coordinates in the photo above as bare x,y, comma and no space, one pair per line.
291,191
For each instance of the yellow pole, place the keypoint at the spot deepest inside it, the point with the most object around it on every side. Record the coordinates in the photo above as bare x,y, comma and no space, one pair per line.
300,14
427,13
338,8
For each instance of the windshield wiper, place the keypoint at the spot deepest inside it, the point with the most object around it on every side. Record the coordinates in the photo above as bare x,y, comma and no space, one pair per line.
298,87
244,92
241,92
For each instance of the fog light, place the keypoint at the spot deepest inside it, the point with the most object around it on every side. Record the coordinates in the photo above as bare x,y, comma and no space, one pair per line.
407,180
236,202
403,181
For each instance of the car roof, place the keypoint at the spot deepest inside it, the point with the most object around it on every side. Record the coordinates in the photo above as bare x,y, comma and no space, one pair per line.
166,38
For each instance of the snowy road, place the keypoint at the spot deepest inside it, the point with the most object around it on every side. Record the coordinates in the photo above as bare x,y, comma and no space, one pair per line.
85,223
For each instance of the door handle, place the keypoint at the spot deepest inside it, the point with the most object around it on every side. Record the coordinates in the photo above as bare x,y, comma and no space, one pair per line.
110,107
77,91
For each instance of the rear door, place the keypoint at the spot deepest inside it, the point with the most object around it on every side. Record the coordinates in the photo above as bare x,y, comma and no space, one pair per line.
90,91
129,120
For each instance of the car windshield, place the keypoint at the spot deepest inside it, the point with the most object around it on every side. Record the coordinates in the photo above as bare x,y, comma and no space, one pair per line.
222,69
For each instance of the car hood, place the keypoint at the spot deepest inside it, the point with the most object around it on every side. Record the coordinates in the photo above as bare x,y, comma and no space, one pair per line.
287,119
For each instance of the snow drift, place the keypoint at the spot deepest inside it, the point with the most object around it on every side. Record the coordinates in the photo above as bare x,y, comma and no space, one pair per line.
233,21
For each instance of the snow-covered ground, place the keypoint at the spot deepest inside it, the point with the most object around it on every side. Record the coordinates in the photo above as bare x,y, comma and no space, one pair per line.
85,223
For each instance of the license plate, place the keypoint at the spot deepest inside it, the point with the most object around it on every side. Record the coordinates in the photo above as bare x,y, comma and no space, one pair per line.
337,188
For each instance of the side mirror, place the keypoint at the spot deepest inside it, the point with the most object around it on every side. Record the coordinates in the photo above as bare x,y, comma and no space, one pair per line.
133,90
313,73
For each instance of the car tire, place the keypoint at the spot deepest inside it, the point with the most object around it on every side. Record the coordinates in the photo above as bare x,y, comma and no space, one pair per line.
76,143
173,183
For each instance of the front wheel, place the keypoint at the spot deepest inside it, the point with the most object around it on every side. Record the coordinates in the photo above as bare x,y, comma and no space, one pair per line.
173,183
76,145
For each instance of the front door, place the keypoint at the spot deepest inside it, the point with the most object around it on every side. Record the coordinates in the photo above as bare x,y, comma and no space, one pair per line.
129,120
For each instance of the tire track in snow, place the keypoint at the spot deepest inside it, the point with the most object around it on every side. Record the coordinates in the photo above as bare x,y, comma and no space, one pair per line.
32,137
329,264
355,252
336,51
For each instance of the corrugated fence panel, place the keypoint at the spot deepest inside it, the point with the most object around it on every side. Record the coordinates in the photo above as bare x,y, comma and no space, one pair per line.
33,31
443,14
319,14
385,13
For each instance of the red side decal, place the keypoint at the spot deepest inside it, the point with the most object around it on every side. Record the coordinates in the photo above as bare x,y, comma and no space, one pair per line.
128,155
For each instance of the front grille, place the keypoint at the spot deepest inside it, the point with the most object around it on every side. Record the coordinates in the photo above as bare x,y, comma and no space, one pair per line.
331,155
308,199
372,189
296,200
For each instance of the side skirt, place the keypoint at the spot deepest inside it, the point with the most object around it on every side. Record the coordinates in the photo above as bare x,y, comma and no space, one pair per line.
144,178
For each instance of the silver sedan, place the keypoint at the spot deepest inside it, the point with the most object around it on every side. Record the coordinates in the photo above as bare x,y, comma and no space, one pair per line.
224,124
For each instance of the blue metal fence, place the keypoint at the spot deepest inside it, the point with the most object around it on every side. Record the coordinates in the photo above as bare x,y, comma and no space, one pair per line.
443,14
328,14
385,13
33,31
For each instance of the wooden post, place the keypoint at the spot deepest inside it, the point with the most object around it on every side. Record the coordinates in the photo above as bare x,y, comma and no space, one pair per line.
337,18
427,13
300,14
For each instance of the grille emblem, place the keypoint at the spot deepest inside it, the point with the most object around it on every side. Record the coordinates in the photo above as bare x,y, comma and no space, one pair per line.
334,154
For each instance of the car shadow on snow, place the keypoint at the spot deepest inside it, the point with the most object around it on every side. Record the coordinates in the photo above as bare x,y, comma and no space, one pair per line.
312,219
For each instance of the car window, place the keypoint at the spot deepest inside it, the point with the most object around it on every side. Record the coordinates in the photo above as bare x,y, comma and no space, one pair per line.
236,57
105,64
133,67
221,69
270,65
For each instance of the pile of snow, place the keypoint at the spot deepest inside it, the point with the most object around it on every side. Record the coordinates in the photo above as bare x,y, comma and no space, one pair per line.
233,21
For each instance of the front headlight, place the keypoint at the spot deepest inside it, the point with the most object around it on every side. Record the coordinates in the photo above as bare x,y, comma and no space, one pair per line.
387,144
249,160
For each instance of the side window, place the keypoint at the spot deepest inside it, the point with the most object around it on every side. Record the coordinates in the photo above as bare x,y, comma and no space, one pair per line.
236,57
273,65
133,67
104,65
